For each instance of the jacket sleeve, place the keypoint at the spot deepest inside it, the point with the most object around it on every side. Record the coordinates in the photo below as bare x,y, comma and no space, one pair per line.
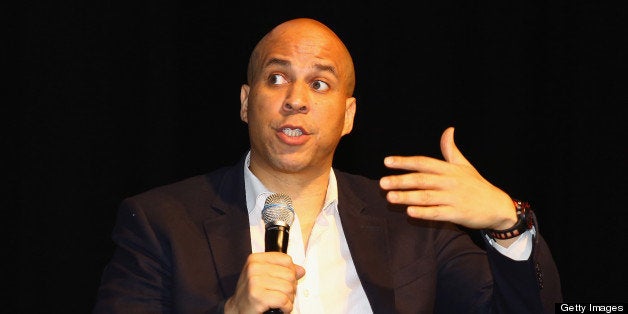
139,278
531,286
473,280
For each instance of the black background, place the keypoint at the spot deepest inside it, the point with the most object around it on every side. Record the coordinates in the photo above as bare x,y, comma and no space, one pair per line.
116,98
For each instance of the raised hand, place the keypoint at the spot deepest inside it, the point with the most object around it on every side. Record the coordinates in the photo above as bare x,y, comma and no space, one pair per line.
448,190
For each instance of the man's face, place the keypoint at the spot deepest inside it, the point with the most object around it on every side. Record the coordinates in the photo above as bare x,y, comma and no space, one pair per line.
297,104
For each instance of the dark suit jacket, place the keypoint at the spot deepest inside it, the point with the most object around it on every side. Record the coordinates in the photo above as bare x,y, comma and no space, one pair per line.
181,248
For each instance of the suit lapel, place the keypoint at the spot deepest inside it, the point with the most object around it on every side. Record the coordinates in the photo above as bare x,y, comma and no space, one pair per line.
228,232
368,242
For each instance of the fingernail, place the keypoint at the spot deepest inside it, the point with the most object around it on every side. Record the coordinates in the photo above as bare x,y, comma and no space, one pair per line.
384,182
388,160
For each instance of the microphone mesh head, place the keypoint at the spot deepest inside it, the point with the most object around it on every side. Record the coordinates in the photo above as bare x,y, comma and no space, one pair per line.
278,210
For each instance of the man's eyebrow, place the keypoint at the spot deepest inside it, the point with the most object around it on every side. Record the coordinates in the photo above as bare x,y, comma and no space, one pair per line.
319,66
277,61
327,68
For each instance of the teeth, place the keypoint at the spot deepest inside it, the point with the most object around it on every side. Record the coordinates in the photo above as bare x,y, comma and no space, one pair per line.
291,132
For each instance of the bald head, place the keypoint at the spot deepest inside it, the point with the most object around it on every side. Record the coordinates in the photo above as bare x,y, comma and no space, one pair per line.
309,36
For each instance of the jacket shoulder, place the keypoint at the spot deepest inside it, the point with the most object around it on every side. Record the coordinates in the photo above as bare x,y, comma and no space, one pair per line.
188,190
192,197
356,181
365,189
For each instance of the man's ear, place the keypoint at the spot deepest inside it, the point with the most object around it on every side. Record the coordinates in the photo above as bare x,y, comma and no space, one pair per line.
244,102
350,104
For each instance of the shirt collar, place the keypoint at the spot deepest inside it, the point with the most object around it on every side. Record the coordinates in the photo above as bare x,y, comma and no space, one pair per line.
254,187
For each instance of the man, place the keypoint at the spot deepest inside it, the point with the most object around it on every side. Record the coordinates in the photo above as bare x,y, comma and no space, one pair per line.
198,245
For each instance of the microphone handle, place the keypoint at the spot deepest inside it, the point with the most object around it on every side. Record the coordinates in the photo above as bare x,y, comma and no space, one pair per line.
276,240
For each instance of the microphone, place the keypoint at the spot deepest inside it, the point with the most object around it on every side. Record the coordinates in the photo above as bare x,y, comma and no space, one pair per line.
278,215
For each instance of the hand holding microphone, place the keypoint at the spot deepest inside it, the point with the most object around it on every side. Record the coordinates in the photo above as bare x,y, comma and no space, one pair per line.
270,279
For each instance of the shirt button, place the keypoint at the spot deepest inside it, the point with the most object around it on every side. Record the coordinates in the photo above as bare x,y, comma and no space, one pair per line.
306,293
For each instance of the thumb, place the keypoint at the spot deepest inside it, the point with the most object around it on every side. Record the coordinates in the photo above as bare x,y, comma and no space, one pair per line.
300,271
449,149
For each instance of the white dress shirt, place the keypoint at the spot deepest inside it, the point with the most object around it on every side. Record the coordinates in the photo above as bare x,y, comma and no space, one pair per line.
331,283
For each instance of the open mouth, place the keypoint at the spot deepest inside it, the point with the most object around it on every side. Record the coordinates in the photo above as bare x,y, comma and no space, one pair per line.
292,132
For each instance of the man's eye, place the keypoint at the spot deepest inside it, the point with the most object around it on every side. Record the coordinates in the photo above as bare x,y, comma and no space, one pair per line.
320,86
277,79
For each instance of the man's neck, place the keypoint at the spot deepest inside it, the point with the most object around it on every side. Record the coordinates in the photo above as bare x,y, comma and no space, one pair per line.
307,191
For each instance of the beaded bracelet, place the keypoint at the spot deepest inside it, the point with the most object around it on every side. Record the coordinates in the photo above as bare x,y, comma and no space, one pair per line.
525,221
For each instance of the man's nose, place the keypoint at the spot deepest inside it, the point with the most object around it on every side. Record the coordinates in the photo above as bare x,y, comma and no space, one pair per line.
297,100
295,108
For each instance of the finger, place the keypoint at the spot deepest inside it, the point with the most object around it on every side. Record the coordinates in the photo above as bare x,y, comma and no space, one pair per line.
412,180
415,163
272,291
265,299
440,213
278,301
272,271
277,258
264,283
274,285
268,280
417,197
450,151
300,271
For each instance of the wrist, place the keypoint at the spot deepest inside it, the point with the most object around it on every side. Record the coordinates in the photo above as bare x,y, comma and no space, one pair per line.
525,221
509,221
